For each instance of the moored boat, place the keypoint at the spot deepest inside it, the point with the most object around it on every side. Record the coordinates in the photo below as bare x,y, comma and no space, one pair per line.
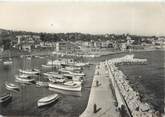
47,100
30,71
55,77
67,87
71,68
76,73
6,97
11,86
47,66
41,84
24,78
8,62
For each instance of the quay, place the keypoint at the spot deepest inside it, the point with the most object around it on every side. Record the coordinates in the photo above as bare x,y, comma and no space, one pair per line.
101,100
112,96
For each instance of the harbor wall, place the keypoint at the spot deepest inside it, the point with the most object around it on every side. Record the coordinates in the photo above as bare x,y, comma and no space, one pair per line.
125,94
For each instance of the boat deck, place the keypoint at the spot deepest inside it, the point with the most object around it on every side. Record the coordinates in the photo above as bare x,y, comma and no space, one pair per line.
100,96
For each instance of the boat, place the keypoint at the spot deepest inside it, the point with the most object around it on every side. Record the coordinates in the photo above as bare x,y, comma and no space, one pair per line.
72,83
57,80
56,62
67,87
24,78
5,98
81,64
47,100
47,66
28,57
71,68
55,77
41,84
8,62
76,73
12,86
30,71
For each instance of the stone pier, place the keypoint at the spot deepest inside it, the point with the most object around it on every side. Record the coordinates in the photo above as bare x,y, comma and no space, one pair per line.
101,100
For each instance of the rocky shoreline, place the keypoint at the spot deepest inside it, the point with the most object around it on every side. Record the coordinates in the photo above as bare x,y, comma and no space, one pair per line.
131,97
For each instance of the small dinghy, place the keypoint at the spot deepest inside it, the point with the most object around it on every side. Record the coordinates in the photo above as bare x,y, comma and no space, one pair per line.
47,100
41,84
12,86
30,71
47,66
5,98
24,78
8,62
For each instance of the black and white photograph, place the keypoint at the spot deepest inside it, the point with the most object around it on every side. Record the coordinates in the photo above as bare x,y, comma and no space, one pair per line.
82,58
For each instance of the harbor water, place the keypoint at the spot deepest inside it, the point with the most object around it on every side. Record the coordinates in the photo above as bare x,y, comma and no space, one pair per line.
24,103
147,79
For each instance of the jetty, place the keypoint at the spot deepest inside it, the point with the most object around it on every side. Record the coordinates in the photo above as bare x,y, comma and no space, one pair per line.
112,96
101,100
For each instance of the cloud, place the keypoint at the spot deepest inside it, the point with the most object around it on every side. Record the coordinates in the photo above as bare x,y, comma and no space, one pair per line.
95,17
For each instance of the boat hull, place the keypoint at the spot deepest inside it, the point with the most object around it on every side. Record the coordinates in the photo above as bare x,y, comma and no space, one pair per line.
29,72
6,98
42,102
12,87
64,87
24,80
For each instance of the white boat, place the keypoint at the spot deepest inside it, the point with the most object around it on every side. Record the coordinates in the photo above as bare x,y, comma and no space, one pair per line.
47,66
6,97
74,77
8,62
71,68
71,83
55,62
76,73
30,71
29,58
41,84
57,80
55,77
53,74
81,64
73,87
24,78
11,86
47,100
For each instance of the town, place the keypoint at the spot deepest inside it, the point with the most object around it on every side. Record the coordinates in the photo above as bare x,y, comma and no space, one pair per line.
76,43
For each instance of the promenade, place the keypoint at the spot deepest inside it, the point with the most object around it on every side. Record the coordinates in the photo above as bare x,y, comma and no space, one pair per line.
101,100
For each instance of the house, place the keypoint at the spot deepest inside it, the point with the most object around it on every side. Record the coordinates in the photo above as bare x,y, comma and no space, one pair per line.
26,47
123,46
1,48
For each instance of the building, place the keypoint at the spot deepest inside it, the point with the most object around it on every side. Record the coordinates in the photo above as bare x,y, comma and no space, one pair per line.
123,46
26,47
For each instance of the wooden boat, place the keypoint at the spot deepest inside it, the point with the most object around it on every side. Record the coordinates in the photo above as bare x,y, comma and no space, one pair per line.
24,78
5,98
67,87
8,62
30,71
12,86
76,73
55,77
47,66
41,84
71,68
47,100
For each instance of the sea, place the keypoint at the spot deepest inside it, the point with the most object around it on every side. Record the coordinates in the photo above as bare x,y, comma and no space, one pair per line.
148,79
24,103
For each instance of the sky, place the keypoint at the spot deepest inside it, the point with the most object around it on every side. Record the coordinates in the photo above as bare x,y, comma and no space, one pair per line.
144,18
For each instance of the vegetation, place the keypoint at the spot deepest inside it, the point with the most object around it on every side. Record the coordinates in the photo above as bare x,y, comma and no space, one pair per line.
9,36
